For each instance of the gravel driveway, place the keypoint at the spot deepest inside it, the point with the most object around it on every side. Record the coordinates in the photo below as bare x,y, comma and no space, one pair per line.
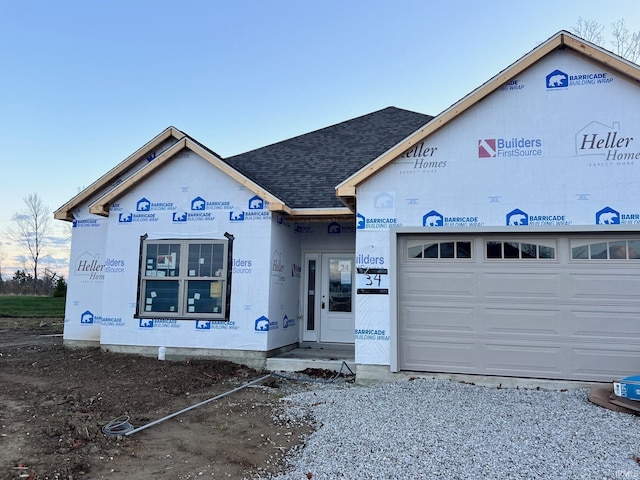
443,429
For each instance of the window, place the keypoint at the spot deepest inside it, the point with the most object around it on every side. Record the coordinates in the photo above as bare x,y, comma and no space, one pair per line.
516,250
605,250
184,279
444,250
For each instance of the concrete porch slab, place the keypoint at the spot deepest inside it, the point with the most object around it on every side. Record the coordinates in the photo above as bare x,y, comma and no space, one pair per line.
300,359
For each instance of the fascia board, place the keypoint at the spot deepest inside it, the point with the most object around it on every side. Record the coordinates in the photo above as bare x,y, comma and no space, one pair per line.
65,211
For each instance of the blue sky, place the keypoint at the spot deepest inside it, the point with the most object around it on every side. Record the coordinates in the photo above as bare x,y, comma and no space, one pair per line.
86,83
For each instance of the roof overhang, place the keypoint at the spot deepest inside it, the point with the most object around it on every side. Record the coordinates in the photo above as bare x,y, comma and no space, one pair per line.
65,212
346,190
101,205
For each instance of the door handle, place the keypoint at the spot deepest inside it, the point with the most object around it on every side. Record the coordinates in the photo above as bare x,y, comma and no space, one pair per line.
323,305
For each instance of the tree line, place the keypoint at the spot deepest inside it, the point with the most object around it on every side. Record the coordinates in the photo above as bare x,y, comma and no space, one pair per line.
30,230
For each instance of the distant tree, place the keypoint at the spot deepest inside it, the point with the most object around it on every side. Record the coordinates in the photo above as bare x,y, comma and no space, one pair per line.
29,228
625,43
61,288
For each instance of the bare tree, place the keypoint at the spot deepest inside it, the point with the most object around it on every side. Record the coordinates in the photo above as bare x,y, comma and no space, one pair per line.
625,43
29,228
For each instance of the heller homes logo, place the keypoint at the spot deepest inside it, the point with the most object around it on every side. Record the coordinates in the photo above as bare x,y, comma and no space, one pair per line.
257,210
607,143
435,219
560,80
511,147
420,159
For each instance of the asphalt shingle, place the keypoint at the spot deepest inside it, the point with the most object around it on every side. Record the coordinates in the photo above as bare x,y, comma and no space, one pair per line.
304,171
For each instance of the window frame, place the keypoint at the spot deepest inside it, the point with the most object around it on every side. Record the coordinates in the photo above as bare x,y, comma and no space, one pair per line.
181,270
610,244
520,241
425,244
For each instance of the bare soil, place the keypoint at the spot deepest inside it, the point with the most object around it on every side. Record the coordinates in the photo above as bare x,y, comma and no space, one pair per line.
55,402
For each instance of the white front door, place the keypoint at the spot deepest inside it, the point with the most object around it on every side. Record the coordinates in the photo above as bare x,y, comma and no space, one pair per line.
336,298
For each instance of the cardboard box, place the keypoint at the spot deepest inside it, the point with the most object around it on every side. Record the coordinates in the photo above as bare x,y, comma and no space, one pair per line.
628,387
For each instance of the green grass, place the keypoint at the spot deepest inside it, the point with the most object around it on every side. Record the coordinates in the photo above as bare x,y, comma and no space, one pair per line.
31,306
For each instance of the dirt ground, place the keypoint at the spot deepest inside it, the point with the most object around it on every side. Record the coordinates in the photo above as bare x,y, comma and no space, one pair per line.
56,401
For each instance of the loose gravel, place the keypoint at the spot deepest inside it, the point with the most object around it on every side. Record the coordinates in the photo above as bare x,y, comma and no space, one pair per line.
441,429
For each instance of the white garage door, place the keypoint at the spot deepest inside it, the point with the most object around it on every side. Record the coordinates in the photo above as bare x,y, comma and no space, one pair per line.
527,306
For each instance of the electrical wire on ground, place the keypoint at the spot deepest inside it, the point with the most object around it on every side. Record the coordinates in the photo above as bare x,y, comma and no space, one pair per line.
121,425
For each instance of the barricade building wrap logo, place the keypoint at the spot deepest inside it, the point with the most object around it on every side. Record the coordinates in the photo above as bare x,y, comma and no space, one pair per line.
256,210
560,80
145,205
155,323
261,324
512,85
607,144
89,222
383,201
199,204
517,217
88,318
607,216
364,223
371,334
436,219
511,147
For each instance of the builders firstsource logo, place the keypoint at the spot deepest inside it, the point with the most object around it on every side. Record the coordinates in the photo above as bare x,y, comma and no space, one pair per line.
509,147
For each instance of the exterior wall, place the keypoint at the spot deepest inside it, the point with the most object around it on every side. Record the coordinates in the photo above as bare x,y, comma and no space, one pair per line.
170,193
86,278
284,284
556,147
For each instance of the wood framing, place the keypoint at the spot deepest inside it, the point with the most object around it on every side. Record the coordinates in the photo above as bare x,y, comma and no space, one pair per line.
346,190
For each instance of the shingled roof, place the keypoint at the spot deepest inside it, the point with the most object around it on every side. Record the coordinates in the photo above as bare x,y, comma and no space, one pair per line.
304,171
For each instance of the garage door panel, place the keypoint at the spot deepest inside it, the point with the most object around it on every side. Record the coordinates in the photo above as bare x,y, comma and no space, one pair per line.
607,288
520,358
437,318
526,320
605,364
606,325
440,356
519,285
453,284
550,317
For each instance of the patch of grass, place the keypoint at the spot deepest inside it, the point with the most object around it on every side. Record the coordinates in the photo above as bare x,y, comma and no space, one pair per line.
27,306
